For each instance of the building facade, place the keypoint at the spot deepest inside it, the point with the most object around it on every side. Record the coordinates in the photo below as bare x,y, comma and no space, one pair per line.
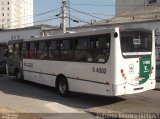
132,5
16,14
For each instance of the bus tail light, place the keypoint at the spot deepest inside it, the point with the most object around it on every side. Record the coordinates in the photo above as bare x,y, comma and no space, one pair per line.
151,70
123,74
121,71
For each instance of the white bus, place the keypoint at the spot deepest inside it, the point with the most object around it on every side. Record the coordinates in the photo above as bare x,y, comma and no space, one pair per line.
109,62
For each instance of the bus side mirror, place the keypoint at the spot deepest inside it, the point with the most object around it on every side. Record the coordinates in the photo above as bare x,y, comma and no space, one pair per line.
6,54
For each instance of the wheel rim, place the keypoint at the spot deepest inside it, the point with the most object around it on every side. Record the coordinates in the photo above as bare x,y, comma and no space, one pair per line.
62,87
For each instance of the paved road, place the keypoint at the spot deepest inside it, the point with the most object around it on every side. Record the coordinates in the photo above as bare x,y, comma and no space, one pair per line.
40,101
35,98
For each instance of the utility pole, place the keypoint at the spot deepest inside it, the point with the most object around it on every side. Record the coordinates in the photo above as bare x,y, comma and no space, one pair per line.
69,13
64,16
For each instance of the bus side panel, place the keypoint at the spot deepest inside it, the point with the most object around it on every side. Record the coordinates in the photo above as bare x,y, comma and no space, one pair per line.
91,81
80,76
46,71
38,71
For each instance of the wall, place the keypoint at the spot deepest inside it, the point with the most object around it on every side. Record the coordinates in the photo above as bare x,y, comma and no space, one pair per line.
132,5
5,36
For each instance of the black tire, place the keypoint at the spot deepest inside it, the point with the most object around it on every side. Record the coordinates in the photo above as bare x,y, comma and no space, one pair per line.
62,87
19,76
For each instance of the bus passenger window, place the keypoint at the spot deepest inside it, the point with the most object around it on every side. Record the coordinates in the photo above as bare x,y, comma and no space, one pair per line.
42,51
11,49
54,50
32,50
66,53
102,48
24,50
83,50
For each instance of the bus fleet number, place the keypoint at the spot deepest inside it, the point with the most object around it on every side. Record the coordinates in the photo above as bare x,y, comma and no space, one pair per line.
99,70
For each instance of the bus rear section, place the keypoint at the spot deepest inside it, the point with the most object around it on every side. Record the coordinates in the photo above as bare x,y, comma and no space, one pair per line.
134,63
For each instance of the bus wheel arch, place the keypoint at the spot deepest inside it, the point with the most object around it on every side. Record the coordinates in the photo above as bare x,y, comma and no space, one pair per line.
62,85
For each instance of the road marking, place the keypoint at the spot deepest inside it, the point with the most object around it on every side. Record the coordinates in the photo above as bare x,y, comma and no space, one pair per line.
59,108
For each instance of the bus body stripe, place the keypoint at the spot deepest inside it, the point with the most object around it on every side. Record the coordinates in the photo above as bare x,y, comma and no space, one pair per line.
66,77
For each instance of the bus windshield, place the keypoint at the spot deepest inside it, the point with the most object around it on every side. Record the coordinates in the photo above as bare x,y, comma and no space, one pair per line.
136,42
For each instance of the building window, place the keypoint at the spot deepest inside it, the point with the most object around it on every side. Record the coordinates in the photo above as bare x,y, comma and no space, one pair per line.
18,36
2,14
8,8
152,1
8,20
12,38
8,2
2,8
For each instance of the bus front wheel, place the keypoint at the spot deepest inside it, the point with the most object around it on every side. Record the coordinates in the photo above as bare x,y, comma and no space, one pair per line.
62,86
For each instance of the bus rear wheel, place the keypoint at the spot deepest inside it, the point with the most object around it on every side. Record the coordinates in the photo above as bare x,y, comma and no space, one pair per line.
62,86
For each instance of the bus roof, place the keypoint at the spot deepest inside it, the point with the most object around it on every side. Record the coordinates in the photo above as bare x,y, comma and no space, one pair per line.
70,35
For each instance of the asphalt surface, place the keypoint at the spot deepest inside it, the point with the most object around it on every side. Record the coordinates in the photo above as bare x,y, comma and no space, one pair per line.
158,85
28,97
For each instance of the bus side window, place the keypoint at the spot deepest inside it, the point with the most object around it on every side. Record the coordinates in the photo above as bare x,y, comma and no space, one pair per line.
83,50
10,50
32,50
42,51
17,51
54,50
25,50
66,52
102,48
